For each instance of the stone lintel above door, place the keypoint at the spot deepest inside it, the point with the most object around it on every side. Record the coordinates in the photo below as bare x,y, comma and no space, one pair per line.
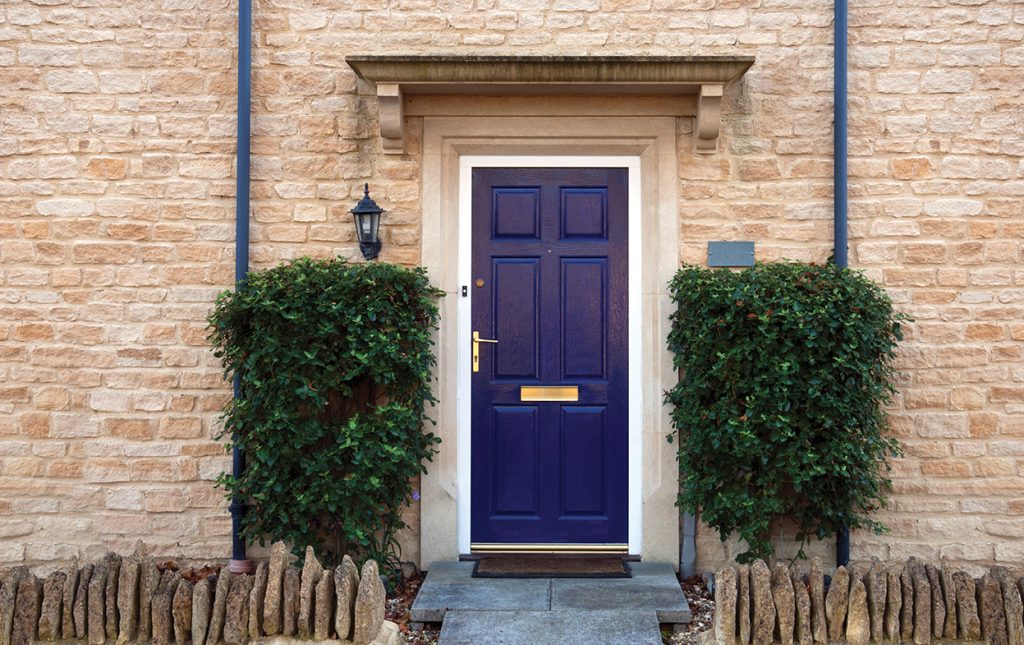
703,77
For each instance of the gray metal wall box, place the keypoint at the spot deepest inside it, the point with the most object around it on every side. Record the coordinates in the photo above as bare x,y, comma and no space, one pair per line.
730,254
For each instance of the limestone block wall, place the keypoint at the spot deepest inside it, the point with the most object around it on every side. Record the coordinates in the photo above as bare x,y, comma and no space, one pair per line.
116,226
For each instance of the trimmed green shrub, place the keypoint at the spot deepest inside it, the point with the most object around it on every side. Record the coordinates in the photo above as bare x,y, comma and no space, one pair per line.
785,369
333,362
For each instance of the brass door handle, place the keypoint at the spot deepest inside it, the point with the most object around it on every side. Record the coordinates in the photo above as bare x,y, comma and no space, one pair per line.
476,349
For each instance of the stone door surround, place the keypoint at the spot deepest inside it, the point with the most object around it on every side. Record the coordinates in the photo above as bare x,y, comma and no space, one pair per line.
652,139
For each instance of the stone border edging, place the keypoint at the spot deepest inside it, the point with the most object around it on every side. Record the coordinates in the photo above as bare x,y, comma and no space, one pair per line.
867,602
131,600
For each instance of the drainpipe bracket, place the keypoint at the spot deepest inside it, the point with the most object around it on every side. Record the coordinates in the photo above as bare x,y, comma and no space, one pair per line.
241,566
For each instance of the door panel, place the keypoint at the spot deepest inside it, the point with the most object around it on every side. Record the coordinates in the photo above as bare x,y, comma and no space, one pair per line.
584,212
584,452
515,456
516,294
584,317
516,213
549,274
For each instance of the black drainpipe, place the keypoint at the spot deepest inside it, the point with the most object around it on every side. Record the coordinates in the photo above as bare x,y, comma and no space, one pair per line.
239,563
839,245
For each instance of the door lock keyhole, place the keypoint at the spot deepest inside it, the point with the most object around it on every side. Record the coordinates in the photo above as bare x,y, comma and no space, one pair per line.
479,283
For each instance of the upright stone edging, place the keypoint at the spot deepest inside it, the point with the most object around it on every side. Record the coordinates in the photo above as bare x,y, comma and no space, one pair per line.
311,573
26,611
128,595
369,613
802,600
49,621
725,607
763,618
893,605
837,602
272,603
71,574
785,603
346,585
868,603
876,585
103,603
202,604
256,599
80,612
819,625
220,603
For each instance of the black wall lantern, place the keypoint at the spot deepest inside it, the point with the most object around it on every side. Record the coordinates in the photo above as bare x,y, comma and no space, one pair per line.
367,218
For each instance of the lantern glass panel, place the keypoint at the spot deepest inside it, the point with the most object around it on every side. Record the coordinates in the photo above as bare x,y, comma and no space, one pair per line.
367,225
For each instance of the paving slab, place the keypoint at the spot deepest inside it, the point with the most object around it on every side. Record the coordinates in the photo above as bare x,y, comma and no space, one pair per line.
555,627
449,586
653,587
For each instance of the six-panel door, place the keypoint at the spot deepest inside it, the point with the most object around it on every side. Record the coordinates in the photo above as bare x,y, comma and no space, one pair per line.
549,281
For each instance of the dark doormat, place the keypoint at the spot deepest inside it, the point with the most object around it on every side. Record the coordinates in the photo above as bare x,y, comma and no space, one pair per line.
551,566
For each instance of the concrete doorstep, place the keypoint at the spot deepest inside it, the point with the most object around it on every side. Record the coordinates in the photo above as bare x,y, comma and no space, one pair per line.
619,611
564,627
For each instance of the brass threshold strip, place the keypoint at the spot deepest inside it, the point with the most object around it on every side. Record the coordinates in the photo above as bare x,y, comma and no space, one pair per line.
549,548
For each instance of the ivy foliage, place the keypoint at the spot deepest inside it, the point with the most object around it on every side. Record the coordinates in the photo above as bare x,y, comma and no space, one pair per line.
333,362
785,369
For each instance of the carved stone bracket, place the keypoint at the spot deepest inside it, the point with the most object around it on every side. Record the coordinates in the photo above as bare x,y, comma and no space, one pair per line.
709,118
392,117
707,77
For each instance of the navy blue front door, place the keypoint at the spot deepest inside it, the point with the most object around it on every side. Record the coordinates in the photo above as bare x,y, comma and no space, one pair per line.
549,282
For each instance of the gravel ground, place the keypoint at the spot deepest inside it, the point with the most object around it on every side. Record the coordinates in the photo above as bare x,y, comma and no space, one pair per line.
701,604
397,611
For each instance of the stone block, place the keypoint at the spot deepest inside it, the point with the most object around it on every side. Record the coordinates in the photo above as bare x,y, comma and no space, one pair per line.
149,578
893,604
725,606
837,603
274,595
236,611
311,574
49,623
858,618
938,602
369,612
992,611
128,596
785,604
346,586
256,597
202,603
25,623
220,603
80,612
181,612
290,603
323,606
110,616
96,619
71,574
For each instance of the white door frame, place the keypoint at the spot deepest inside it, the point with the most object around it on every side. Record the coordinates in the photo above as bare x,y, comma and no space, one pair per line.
464,459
